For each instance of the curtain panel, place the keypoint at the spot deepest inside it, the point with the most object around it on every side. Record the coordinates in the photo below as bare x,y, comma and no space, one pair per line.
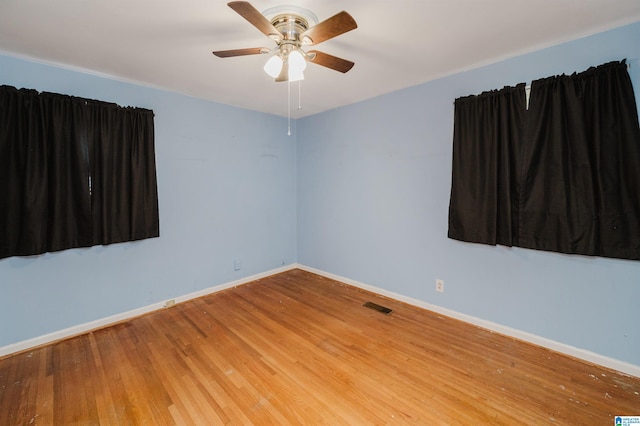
73,173
577,161
488,132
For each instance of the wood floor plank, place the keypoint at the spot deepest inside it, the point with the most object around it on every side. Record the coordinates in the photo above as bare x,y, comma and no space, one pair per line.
298,348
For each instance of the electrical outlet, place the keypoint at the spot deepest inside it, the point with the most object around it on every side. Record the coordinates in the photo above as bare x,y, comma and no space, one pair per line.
237,264
169,303
440,286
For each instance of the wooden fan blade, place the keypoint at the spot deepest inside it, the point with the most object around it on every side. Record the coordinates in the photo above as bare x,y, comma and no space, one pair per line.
330,61
255,18
240,52
329,28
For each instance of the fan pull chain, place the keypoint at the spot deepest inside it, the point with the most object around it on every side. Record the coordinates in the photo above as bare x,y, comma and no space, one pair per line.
289,102
289,106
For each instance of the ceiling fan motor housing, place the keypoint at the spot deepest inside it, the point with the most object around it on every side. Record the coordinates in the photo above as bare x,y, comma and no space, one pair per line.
290,26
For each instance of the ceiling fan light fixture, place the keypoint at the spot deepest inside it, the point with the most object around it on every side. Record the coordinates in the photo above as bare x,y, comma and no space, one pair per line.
295,75
297,65
273,66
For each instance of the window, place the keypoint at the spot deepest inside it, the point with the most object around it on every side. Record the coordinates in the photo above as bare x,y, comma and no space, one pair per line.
73,173
561,176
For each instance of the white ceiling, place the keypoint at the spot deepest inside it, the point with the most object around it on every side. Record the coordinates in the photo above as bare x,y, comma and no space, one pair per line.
398,43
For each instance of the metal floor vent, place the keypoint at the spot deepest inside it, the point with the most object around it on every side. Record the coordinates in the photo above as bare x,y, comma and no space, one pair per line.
377,307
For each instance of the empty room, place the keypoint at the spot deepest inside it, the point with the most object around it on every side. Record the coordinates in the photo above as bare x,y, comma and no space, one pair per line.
319,212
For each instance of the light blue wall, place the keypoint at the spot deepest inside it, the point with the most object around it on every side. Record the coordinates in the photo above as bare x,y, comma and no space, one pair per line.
373,193
372,183
226,183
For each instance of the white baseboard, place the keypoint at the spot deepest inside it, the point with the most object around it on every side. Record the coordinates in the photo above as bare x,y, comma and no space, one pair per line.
104,322
612,363
621,366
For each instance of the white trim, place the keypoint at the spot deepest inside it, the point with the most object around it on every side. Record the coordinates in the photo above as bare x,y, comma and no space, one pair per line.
105,322
583,354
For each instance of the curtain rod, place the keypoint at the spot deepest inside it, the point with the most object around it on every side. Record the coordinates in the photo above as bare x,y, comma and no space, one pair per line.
528,86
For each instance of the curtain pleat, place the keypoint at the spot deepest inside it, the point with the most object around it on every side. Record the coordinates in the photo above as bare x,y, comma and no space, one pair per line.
73,173
582,165
23,170
124,185
487,140
68,204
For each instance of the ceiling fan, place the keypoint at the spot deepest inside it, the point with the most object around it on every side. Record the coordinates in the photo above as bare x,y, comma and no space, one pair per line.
292,28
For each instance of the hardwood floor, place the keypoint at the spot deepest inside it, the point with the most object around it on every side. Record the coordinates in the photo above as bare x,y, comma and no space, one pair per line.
297,348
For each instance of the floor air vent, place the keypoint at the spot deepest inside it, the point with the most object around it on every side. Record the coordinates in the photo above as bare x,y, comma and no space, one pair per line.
377,307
